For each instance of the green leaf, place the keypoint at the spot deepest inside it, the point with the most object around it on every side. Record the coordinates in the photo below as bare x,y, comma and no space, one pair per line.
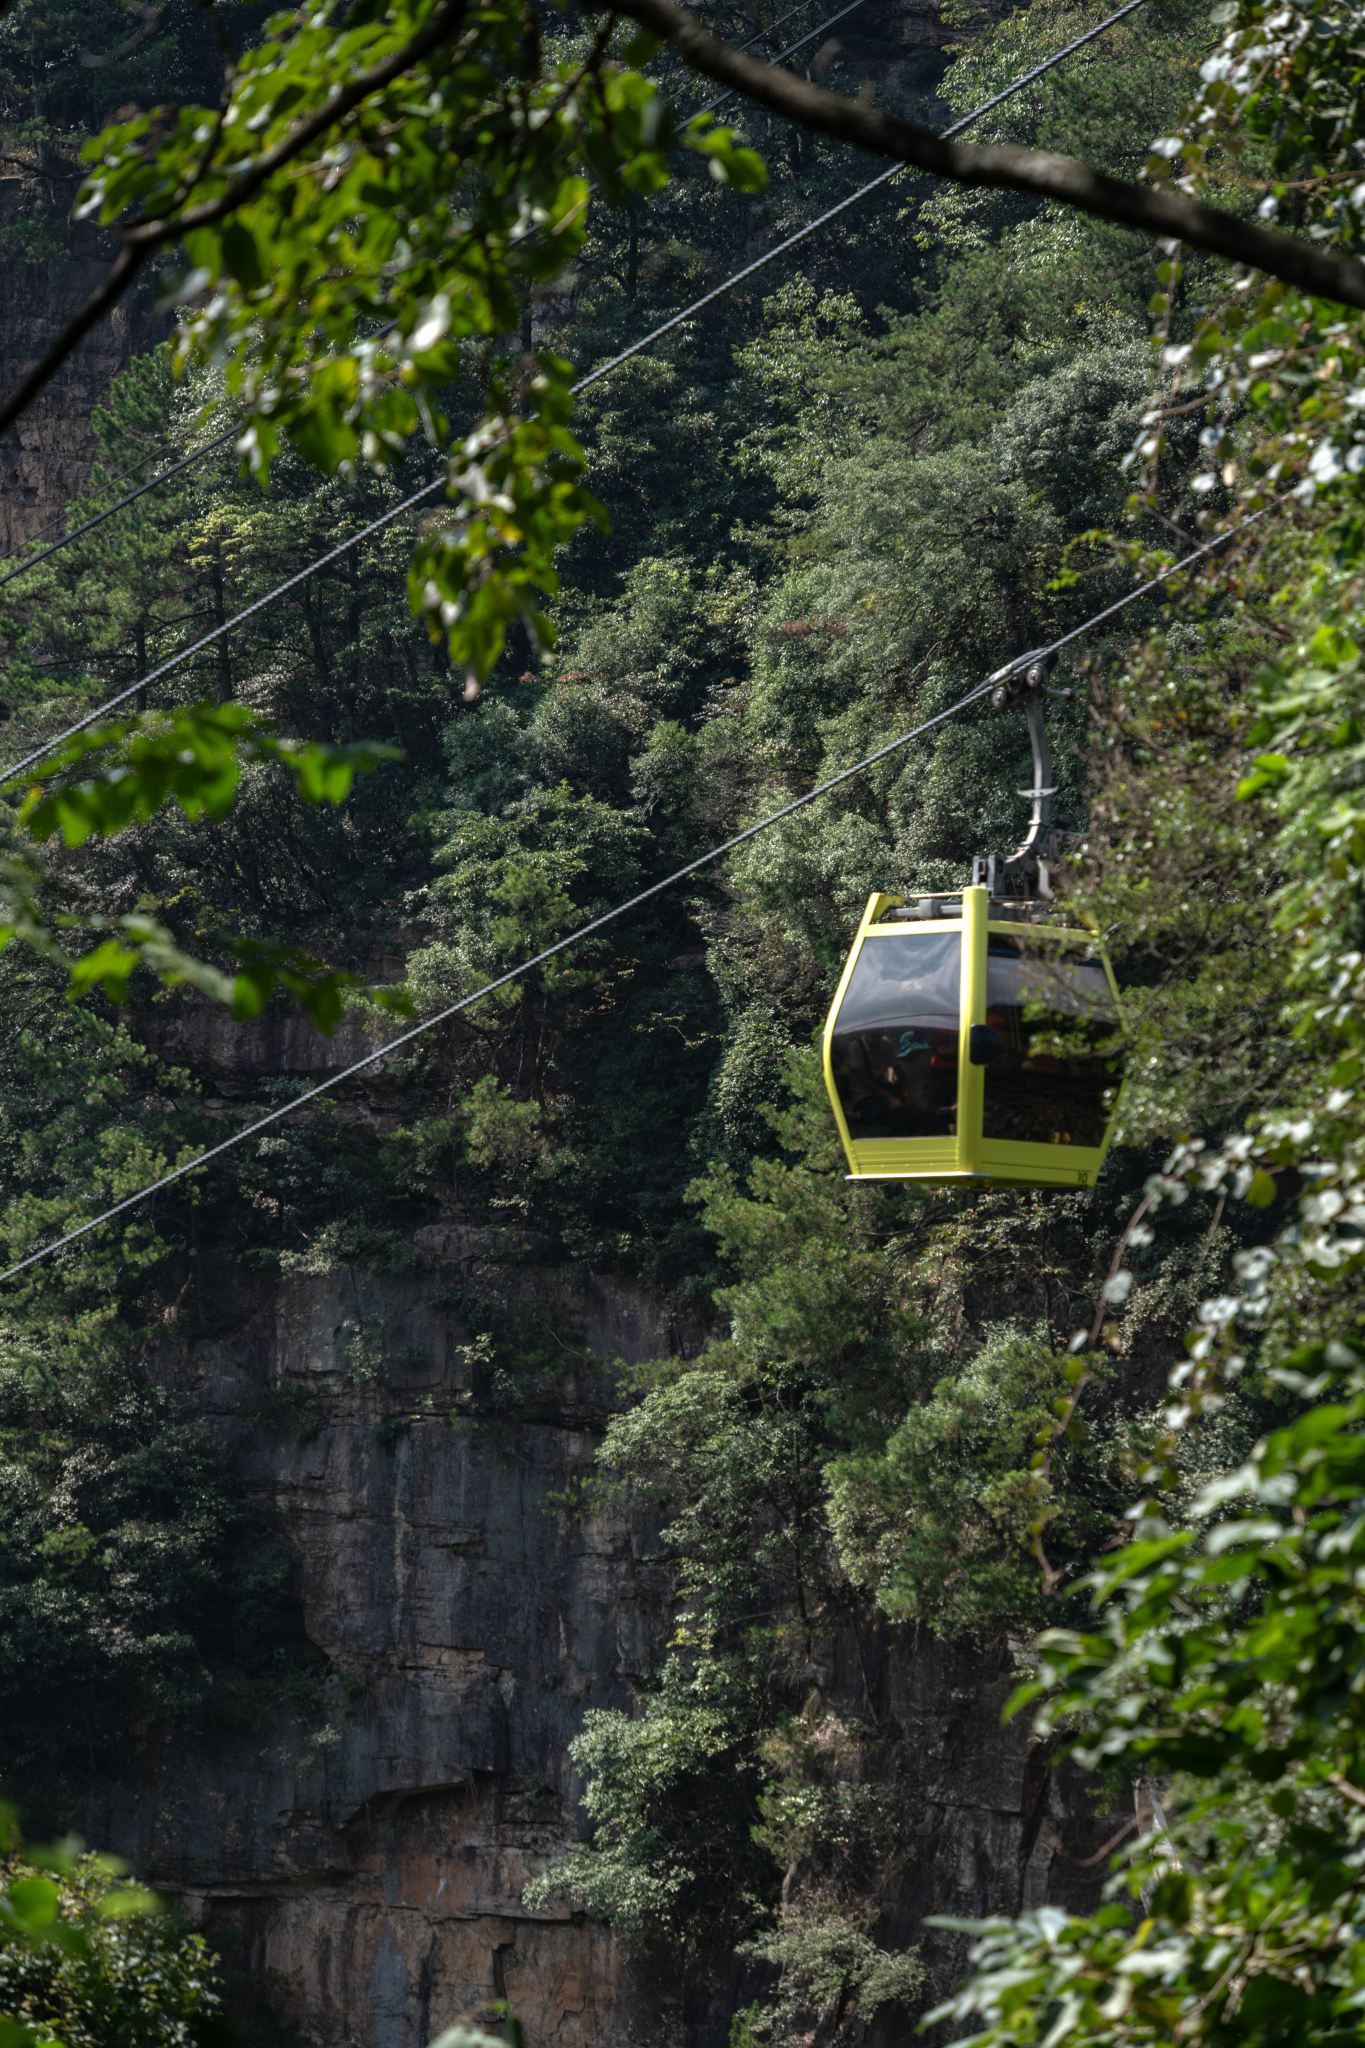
34,1901
107,967
128,1902
242,257
641,49
18,2034
742,169
1268,772
119,774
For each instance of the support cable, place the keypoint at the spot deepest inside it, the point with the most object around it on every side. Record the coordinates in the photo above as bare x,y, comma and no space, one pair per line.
774,26
119,477
596,924
593,377
513,974
842,206
119,503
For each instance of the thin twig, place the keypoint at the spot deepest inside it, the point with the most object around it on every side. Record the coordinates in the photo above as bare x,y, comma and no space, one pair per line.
1089,1862
1125,1240
1210,1233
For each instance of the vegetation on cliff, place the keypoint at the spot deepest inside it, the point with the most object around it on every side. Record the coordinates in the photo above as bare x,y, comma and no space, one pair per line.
832,510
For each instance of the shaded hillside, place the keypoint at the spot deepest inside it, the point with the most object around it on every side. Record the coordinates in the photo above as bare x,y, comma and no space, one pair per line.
539,1462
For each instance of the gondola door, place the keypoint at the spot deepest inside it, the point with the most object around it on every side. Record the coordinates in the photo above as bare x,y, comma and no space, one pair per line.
894,1046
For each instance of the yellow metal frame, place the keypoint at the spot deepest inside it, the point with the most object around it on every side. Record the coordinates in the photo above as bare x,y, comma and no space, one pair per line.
969,1156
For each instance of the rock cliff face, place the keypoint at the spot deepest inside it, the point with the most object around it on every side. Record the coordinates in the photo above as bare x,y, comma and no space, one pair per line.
45,459
373,1873
466,1624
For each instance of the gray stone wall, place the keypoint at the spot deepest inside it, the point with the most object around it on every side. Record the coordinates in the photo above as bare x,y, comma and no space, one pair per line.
468,1620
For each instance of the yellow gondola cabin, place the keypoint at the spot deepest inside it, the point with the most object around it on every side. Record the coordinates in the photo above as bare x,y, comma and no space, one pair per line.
969,1046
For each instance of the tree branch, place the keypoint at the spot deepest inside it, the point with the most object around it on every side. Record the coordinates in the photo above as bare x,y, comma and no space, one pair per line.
1153,209
144,236
438,30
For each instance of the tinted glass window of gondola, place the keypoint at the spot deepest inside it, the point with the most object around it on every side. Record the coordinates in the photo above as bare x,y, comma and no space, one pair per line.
894,1047
1055,1012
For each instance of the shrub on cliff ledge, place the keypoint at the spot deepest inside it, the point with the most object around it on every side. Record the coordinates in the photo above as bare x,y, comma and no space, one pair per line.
672,1797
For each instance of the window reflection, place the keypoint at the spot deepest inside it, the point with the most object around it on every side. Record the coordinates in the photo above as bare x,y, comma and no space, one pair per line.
893,1050
1054,1011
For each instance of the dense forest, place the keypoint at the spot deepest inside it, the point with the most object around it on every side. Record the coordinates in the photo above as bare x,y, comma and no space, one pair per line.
949,428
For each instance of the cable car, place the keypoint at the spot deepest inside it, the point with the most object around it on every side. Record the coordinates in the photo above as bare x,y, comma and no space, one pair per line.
971,1038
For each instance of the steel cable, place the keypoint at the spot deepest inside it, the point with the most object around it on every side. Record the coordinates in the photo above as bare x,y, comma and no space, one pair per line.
703,860
783,55
513,974
99,518
119,477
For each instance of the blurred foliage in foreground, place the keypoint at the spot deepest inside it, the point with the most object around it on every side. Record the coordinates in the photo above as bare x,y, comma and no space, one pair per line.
90,1960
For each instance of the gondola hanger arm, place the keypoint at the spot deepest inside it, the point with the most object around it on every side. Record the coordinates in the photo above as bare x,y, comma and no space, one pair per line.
1023,681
